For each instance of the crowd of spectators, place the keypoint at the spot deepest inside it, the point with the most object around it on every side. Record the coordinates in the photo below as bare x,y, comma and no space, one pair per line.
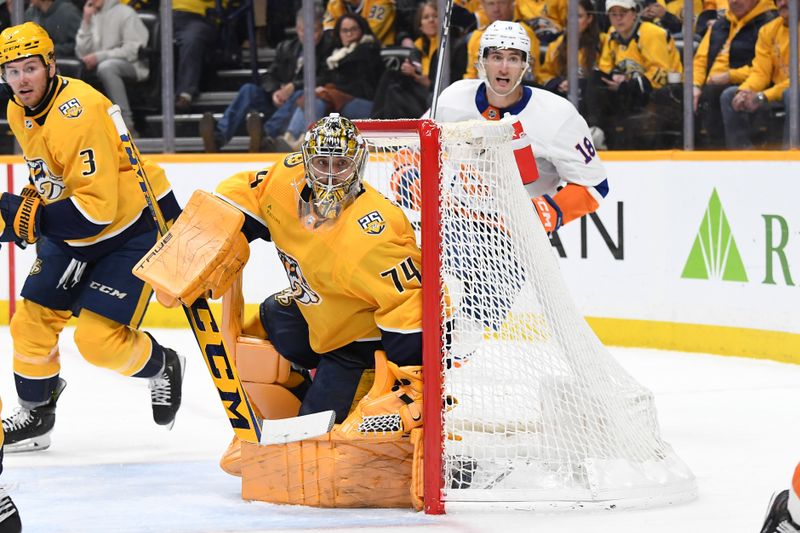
630,70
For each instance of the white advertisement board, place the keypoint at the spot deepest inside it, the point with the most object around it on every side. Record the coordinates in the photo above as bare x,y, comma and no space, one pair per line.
678,240
714,242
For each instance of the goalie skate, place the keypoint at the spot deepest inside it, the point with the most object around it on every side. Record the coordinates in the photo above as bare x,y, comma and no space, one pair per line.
28,430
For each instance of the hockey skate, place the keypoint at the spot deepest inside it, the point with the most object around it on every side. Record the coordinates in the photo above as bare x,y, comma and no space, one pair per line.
165,389
778,519
28,430
9,515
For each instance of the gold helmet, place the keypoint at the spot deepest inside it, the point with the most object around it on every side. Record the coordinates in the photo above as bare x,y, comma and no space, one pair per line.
334,154
26,40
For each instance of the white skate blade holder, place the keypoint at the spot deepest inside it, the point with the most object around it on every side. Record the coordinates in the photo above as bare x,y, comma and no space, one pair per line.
35,444
297,428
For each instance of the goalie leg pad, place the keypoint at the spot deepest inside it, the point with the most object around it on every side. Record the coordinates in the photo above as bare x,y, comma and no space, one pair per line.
329,471
201,254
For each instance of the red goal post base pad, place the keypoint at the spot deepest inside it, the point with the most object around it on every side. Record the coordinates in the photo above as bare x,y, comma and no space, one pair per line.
337,472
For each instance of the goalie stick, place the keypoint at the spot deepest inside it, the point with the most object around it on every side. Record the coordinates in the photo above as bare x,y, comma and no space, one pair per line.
246,425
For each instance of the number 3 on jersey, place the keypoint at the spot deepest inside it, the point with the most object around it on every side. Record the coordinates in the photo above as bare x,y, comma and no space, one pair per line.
587,150
406,270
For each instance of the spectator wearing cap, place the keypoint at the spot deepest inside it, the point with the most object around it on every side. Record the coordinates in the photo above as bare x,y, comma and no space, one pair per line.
768,82
724,59
636,60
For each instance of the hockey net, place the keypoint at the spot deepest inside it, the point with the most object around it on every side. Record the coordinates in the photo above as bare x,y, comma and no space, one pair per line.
532,409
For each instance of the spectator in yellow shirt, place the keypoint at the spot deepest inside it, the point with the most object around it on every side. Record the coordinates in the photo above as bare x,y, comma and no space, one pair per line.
636,60
768,82
724,59
379,14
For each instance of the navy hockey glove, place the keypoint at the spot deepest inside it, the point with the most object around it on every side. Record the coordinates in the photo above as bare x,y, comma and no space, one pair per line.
20,218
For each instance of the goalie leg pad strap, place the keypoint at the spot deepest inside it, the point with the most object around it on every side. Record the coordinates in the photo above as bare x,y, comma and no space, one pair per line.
393,404
201,254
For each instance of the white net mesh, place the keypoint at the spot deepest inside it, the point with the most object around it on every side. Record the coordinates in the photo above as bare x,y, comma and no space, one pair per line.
539,410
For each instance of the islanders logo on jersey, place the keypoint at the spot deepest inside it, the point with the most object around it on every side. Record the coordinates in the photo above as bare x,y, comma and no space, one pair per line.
372,223
49,186
301,290
72,108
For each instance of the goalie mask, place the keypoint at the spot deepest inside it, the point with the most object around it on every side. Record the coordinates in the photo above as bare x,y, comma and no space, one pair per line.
334,154
504,35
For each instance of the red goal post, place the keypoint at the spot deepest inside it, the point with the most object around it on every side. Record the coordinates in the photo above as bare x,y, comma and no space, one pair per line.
428,134
524,406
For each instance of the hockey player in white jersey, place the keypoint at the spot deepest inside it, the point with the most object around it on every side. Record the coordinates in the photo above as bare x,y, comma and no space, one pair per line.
566,182
560,138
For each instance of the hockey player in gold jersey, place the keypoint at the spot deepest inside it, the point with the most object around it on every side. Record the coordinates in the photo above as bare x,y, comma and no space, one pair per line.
84,207
351,258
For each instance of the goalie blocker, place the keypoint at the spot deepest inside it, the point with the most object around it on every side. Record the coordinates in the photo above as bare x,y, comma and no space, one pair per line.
202,255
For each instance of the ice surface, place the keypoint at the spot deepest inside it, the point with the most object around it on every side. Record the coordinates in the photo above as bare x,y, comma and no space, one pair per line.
111,469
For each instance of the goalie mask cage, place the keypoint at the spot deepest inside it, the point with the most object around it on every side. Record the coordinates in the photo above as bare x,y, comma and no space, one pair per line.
524,407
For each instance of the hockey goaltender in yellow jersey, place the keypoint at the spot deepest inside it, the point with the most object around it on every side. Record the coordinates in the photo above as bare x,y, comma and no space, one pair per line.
349,278
354,302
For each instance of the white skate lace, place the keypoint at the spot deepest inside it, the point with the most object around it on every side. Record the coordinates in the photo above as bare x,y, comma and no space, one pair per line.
21,418
160,391
786,527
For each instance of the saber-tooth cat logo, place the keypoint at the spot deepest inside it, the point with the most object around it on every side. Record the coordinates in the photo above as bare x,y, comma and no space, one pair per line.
301,290
48,185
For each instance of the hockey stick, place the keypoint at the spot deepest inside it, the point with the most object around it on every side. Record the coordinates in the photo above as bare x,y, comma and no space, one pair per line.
437,81
246,425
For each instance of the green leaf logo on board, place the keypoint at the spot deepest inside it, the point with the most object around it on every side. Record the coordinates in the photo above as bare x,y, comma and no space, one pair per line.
714,253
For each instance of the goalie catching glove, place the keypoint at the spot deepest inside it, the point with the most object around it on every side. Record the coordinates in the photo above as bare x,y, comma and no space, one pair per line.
200,255
20,216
